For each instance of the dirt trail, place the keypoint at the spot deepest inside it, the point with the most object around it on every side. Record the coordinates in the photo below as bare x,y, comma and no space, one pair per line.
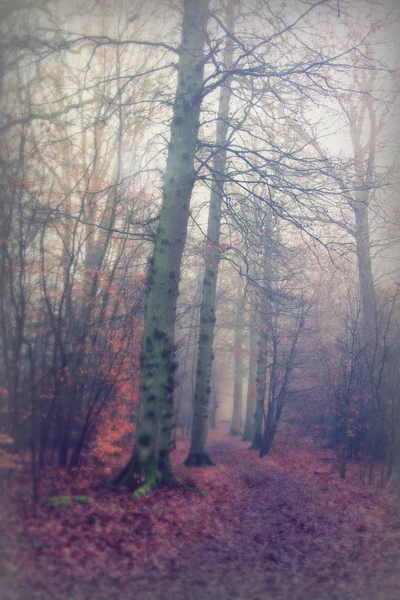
265,529
290,534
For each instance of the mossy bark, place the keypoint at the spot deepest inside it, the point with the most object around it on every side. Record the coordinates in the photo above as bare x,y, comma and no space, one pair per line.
236,422
251,385
150,463
198,455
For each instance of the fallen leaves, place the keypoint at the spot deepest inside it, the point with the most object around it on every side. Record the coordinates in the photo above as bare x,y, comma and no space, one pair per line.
263,526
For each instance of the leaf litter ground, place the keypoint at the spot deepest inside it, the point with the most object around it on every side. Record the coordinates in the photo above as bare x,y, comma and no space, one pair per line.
263,529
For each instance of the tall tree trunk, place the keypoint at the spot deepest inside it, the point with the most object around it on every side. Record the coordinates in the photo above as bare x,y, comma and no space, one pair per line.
264,318
366,281
151,460
343,432
236,423
251,386
214,407
369,321
260,386
270,413
368,324
214,400
198,455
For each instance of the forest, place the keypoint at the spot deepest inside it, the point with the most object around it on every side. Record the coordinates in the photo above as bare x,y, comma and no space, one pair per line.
199,299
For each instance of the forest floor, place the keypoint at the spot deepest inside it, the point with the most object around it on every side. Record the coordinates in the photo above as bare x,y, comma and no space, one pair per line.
262,529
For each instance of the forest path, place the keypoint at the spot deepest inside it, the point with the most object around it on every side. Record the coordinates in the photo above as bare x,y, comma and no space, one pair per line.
291,534
265,529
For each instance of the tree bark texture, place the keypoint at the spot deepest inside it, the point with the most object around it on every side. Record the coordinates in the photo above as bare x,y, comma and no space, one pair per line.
198,455
367,287
236,423
251,386
150,462
260,386
263,343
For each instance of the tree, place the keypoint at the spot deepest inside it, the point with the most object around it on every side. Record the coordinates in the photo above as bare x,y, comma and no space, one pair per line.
251,387
373,84
198,449
284,339
236,422
150,460
263,318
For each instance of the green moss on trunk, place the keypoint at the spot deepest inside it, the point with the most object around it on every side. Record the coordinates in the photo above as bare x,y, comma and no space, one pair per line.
150,464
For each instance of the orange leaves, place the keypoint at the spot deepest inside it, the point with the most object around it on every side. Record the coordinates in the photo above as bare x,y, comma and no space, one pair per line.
8,460
5,439
259,525
115,425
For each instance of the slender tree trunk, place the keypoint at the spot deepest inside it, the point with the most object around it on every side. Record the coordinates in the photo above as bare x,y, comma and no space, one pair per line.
343,441
269,430
251,387
198,455
236,423
260,386
214,407
369,325
367,287
269,415
278,393
264,318
151,456
214,400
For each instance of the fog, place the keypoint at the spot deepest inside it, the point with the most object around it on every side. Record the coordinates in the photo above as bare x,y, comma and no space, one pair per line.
200,298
